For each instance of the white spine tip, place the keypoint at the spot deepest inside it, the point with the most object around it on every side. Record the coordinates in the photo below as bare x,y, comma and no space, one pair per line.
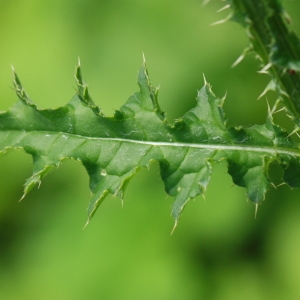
175,225
205,2
86,224
224,97
256,208
240,58
144,59
265,68
22,197
223,8
220,22
205,82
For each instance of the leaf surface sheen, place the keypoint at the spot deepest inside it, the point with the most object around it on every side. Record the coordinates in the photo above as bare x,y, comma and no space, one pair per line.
113,149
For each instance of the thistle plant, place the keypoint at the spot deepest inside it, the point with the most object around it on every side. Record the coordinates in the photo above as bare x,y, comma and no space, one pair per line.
113,149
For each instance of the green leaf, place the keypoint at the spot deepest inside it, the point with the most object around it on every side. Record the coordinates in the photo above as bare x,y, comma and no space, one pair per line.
113,149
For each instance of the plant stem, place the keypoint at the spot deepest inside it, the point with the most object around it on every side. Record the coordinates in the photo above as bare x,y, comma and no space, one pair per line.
278,49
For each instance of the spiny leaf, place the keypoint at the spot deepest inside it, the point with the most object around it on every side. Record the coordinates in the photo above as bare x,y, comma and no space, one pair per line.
113,149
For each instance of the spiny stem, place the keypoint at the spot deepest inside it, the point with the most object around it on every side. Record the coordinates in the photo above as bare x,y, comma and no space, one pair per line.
279,49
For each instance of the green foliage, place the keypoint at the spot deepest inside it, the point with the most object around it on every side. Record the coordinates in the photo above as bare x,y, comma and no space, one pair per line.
113,149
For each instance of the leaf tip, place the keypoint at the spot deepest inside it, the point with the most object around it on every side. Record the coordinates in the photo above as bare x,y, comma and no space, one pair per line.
270,87
256,209
295,131
265,69
23,196
16,80
221,21
205,2
287,17
223,8
86,224
175,225
241,57
205,82
144,60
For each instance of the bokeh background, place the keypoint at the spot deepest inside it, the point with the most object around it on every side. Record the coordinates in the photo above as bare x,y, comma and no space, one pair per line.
219,250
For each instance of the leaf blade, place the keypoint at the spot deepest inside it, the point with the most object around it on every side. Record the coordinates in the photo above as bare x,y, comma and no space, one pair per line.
114,149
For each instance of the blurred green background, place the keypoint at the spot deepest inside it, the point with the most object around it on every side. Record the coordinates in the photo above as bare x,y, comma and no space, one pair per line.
219,250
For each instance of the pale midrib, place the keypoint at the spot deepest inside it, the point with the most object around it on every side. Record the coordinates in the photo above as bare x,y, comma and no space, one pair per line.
267,149
236,147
